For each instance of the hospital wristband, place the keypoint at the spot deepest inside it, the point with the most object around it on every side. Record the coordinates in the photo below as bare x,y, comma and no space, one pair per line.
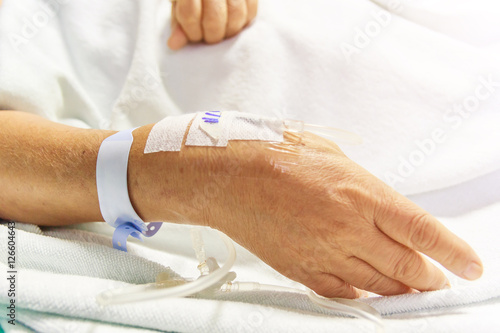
112,191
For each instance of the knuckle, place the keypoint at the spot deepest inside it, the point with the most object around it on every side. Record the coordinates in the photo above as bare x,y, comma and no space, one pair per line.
386,206
213,35
236,8
186,13
423,233
452,256
188,21
374,282
234,26
406,266
183,12
211,29
212,26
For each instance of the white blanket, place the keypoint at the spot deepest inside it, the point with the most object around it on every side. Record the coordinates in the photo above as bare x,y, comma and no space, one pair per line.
62,271
420,83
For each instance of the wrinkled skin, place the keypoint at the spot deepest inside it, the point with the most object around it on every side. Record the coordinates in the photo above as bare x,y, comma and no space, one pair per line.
304,208
322,220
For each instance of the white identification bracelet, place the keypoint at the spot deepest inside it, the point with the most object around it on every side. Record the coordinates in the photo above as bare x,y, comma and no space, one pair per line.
112,191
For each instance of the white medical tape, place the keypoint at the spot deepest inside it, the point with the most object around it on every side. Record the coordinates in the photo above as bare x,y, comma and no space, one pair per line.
247,126
212,129
167,135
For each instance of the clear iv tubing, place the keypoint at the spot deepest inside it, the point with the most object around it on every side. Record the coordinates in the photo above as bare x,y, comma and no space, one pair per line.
152,291
140,293
346,306
336,134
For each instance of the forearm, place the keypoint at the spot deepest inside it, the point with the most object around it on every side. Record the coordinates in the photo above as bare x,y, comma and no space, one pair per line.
48,174
47,170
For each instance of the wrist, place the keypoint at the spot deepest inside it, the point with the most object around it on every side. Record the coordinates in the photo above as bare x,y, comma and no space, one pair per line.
210,186
139,177
160,183
191,186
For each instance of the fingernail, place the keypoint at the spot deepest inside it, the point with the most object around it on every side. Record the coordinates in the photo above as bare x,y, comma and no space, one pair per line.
446,284
474,271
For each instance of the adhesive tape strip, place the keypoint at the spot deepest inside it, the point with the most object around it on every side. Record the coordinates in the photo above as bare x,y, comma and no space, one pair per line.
212,128
209,128
112,190
167,135
246,126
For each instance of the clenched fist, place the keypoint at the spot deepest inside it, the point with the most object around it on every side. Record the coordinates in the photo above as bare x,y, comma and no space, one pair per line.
209,20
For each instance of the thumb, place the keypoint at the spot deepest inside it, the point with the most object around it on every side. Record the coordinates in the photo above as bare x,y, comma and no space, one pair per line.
178,38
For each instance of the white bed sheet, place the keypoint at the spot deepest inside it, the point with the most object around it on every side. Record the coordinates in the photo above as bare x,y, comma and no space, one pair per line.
105,65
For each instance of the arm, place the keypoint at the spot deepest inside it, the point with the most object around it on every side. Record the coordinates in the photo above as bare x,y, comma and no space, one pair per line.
47,170
48,177
325,222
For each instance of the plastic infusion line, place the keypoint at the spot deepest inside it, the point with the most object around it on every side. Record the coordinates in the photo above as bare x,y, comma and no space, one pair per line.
151,291
349,307
112,190
345,306
335,134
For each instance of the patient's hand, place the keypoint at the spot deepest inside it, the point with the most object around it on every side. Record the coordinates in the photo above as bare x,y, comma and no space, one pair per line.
322,220
208,20
309,212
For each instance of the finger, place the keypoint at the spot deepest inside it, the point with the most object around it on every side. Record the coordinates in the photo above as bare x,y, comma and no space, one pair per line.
178,39
331,286
398,262
236,16
173,16
358,273
410,225
252,9
214,20
188,14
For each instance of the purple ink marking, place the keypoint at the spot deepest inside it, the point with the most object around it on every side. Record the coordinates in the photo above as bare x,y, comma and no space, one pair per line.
213,115
210,120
